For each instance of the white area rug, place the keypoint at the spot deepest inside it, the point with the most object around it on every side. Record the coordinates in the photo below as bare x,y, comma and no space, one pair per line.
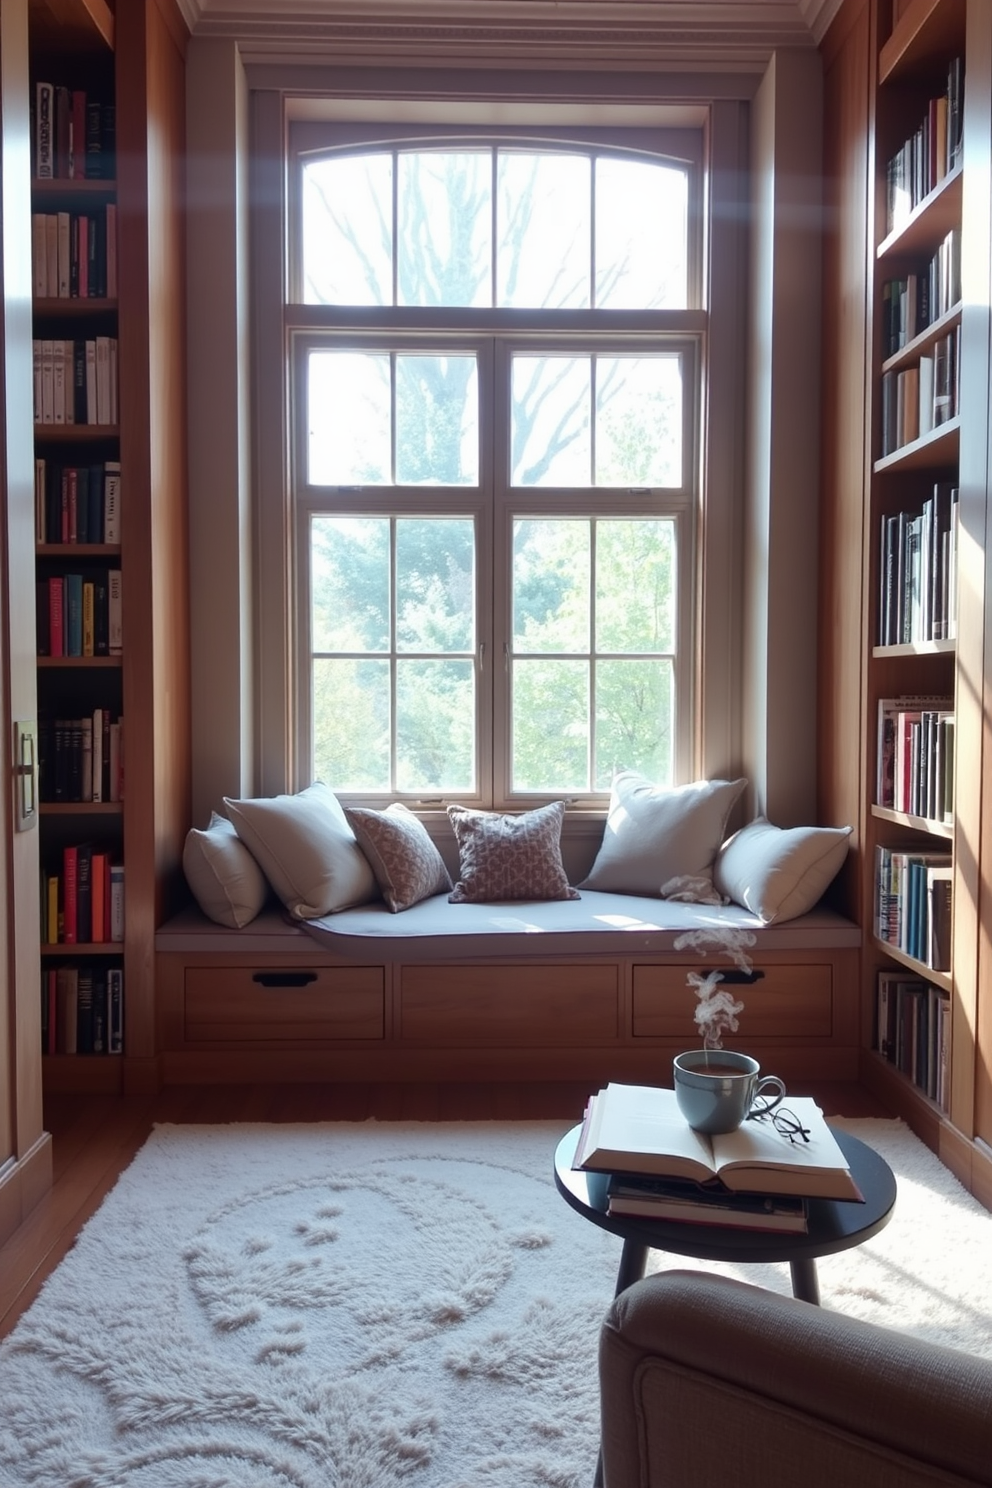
376,1305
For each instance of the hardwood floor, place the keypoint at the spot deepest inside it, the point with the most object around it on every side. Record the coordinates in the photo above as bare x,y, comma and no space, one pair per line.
94,1139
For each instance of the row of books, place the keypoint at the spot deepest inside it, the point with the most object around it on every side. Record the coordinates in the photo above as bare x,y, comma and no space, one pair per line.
75,382
920,398
915,757
73,134
74,254
918,577
929,154
82,1010
81,759
83,902
912,1030
80,614
77,503
913,895
911,304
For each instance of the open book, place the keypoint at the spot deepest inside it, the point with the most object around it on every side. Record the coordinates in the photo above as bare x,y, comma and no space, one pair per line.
640,1129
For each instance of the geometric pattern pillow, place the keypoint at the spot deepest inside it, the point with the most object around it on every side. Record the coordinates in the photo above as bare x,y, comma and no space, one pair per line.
509,857
401,852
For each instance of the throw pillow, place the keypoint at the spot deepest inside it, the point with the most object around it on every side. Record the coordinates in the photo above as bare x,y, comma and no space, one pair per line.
655,833
224,878
778,873
509,856
306,849
401,852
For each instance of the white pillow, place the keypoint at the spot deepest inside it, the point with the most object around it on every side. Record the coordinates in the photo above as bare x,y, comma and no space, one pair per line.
306,849
225,880
655,833
778,873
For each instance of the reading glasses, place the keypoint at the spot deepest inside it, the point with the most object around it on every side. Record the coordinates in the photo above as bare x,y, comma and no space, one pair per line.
785,1122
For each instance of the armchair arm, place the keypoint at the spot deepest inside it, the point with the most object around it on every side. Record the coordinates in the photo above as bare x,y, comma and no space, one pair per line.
706,1381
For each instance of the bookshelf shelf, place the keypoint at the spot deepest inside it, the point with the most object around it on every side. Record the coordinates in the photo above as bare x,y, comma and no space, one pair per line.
940,979
916,823
923,343
76,433
934,450
928,223
81,808
71,949
77,550
80,663
914,648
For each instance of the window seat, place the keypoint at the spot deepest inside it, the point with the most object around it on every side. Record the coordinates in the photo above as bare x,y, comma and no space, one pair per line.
590,989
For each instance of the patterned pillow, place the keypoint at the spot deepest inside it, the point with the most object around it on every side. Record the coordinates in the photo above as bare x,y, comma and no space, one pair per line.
509,857
404,859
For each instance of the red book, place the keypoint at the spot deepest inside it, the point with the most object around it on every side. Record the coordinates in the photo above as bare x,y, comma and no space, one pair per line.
55,622
69,894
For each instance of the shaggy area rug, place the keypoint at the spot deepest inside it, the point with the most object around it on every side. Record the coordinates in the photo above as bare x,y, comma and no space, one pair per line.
383,1306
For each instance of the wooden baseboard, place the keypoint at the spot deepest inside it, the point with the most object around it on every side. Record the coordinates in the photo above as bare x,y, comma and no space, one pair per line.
23,1184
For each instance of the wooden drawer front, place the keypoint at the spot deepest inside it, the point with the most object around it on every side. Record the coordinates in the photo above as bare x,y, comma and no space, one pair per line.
231,1003
787,1002
512,1005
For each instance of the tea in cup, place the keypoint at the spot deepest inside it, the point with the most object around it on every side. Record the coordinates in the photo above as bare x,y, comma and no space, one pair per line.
716,1089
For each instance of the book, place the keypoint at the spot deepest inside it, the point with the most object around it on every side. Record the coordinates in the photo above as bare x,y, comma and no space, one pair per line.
115,1010
67,1009
44,124
692,1203
116,901
640,1129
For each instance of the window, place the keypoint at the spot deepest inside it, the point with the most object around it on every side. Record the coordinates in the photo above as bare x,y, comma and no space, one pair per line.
495,384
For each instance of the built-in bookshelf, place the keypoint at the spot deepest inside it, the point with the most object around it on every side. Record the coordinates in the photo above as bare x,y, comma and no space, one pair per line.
921,157
78,570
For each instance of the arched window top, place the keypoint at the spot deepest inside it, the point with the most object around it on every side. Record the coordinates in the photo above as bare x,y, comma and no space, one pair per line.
495,225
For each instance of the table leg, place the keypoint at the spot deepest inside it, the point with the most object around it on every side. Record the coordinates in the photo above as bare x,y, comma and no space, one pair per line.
805,1284
633,1260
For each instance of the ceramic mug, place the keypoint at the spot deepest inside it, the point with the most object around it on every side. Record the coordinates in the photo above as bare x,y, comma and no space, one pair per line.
717,1088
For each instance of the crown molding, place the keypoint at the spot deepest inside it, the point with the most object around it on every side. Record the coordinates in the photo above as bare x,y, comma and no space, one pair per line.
624,34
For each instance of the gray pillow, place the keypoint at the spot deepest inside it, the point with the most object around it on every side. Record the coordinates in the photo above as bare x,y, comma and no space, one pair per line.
780,872
655,833
306,849
224,878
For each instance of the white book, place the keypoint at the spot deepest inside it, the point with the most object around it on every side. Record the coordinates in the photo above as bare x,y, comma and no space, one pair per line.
112,501
64,252
926,395
37,375
115,612
640,1129
51,255
58,382
47,382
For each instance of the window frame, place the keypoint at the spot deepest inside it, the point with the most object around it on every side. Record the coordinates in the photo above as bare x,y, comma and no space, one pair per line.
593,331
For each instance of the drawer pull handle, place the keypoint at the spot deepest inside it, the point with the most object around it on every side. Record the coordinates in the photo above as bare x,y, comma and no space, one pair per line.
735,978
284,978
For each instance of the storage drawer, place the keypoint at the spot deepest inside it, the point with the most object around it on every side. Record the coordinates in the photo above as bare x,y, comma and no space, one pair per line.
230,1004
510,1004
784,1002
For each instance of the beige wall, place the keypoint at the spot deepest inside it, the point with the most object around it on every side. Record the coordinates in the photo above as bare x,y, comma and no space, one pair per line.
780,523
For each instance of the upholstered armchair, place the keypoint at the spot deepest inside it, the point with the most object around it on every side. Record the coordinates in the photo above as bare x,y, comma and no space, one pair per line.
708,1382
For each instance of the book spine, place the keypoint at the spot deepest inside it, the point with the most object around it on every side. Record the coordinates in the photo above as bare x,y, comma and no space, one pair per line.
117,901
44,111
69,894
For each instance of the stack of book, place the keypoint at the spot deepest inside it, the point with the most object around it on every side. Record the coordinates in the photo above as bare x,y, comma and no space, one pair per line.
752,1178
